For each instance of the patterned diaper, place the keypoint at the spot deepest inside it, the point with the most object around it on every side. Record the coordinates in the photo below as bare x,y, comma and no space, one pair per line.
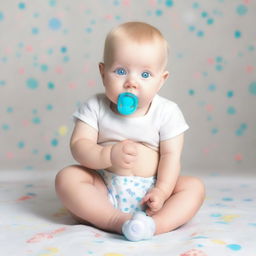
126,192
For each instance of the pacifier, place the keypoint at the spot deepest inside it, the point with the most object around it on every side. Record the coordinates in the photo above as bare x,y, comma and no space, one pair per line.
127,103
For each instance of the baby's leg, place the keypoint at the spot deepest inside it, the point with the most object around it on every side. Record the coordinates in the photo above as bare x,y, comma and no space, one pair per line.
182,205
84,194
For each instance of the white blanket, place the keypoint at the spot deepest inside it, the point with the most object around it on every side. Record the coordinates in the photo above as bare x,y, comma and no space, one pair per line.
34,223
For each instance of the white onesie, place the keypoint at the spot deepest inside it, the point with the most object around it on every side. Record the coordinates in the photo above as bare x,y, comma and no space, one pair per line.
163,121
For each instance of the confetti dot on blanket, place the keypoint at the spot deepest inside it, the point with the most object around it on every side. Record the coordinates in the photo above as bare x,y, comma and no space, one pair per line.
194,252
234,247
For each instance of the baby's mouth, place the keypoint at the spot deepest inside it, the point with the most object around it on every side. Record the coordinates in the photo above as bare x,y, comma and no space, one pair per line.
127,103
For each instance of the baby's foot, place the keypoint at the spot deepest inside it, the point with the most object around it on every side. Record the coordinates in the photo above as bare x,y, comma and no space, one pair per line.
139,227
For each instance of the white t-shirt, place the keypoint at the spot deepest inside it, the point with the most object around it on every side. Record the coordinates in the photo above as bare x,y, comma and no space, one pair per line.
163,121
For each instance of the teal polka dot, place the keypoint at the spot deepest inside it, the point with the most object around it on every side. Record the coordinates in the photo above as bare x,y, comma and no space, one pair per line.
230,94
51,86
169,3
49,107
196,5
1,16
159,12
21,144
55,24
231,110
32,83
216,215
2,83
219,59
36,120
191,92
204,14
48,157
6,127
200,33
191,28
22,6
9,110
214,131
54,142
210,21
52,3
227,199
252,88
63,49
237,34
234,247
219,67
241,9
44,67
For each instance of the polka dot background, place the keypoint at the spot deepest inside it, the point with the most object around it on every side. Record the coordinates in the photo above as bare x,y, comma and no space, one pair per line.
49,55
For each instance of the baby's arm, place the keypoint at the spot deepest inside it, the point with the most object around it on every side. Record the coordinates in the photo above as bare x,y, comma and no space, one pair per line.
88,153
167,174
85,149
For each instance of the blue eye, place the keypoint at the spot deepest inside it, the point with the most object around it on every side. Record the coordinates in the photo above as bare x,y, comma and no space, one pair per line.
145,74
120,71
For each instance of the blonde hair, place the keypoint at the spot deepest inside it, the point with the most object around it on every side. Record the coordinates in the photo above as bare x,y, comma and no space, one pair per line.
139,32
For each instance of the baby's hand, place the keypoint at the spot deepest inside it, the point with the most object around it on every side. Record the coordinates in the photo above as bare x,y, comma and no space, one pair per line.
124,154
154,199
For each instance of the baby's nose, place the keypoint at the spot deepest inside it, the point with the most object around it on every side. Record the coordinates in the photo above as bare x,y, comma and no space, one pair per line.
131,83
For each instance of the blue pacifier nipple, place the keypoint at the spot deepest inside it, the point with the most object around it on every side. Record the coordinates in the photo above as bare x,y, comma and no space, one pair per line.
127,103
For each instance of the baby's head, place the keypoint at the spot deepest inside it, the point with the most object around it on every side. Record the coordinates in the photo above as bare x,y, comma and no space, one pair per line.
137,32
135,58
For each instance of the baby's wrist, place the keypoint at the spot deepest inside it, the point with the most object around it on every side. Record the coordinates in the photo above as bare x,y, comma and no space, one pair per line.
106,155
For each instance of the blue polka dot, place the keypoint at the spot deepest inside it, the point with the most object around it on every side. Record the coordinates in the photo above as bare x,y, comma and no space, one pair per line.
212,87
234,247
9,110
22,6
55,24
35,31
237,34
252,88
63,49
32,83
227,199
241,9
2,83
52,3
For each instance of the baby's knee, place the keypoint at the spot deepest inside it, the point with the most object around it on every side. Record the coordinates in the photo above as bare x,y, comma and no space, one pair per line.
197,186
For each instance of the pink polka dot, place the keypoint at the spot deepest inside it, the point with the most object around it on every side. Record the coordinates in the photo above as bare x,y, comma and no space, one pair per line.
72,85
197,75
126,2
209,107
247,1
10,155
21,71
210,61
25,123
59,70
238,157
152,2
109,17
249,69
29,48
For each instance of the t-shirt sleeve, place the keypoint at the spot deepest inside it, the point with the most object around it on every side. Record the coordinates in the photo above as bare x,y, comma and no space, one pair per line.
88,112
173,122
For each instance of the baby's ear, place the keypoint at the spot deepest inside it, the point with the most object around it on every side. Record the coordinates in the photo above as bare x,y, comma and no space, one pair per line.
165,75
102,68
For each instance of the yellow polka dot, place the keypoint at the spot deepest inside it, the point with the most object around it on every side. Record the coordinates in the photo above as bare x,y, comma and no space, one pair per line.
63,130
230,217
218,241
53,250
113,254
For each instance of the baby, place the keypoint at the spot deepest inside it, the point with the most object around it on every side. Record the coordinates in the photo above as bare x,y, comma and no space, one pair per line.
128,142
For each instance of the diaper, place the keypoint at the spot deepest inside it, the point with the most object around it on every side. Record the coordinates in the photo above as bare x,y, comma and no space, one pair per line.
126,192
